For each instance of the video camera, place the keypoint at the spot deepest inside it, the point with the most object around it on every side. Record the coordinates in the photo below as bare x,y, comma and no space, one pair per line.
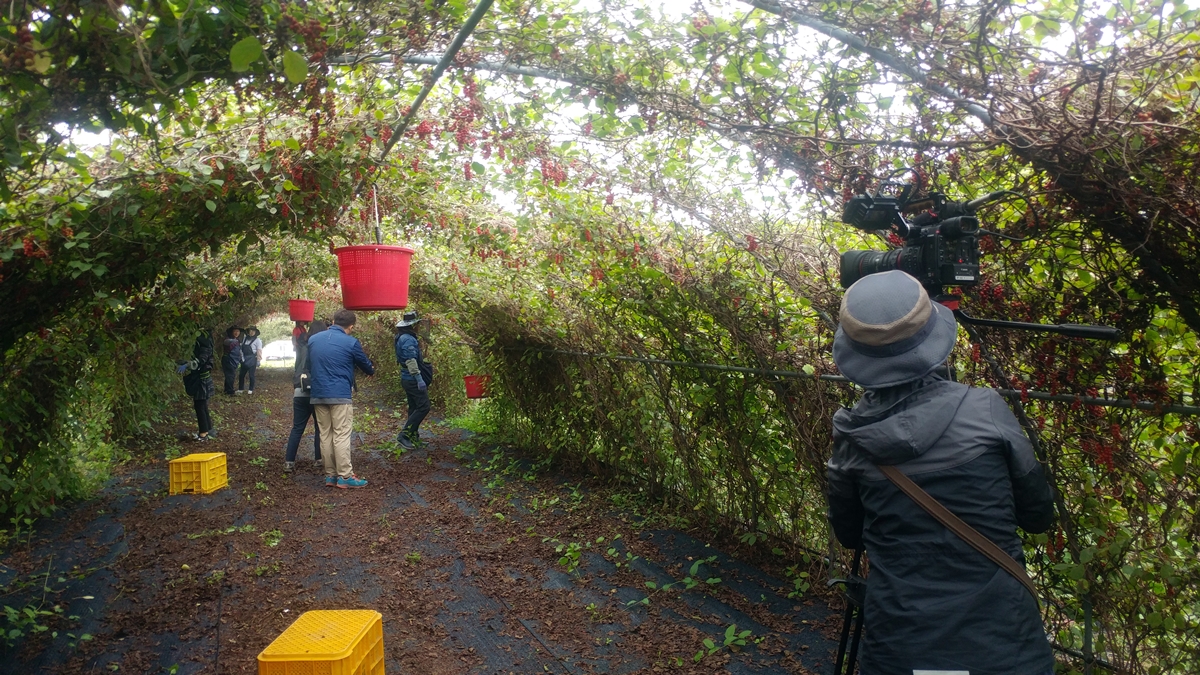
941,243
941,248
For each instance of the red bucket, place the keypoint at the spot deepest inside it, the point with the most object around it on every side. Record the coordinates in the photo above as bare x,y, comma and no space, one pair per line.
374,276
477,385
302,310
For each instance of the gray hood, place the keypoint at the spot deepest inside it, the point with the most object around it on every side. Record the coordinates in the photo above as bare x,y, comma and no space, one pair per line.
897,424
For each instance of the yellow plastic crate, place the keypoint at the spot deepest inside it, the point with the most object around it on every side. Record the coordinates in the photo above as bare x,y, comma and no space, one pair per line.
198,474
327,642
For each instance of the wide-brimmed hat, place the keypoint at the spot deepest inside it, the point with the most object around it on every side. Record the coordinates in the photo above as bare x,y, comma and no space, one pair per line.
409,319
250,329
890,332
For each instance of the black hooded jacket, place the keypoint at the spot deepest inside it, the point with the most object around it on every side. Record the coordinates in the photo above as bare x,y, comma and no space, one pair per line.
933,602
198,381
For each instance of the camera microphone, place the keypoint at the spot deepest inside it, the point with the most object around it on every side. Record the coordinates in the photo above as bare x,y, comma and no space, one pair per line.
974,204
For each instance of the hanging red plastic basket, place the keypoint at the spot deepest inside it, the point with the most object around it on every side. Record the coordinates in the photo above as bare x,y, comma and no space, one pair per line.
302,310
477,385
374,276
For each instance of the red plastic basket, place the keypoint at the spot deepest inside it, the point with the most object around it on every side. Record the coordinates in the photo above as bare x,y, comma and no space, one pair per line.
374,276
477,385
302,310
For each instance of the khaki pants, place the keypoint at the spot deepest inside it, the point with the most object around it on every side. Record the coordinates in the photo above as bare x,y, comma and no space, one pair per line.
335,423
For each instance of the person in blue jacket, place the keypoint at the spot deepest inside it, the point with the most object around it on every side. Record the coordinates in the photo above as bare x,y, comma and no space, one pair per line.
414,377
332,357
933,604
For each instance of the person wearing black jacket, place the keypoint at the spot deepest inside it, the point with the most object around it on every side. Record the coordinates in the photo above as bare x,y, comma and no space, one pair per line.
198,382
252,347
933,603
232,357
302,410
415,376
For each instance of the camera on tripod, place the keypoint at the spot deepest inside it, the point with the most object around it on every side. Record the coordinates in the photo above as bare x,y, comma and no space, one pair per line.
941,244
941,248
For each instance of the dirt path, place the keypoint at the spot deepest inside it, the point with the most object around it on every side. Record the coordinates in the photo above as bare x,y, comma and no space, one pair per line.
477,565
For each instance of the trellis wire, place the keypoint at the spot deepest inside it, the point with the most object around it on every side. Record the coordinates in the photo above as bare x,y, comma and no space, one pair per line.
1019,394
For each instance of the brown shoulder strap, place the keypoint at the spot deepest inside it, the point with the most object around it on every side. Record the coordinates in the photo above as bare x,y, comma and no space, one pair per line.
956,525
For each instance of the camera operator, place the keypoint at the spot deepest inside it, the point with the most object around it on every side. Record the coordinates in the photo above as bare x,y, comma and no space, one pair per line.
933,603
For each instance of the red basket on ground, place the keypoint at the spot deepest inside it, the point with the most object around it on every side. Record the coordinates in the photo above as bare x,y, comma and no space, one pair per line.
477,385
374,276
302,310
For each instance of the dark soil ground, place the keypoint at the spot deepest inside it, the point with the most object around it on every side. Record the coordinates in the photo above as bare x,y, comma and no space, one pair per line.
477,563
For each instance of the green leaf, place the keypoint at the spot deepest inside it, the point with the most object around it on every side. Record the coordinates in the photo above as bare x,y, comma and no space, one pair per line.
295,67
212,206
245,52
292,144
1179,462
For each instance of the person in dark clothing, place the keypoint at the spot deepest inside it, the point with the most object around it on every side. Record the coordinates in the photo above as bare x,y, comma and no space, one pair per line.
302,409
251,356
198,382
414,377
231,358
933,603
299,333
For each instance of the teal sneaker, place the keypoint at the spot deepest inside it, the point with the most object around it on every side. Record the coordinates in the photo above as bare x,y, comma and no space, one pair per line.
351,482
330,481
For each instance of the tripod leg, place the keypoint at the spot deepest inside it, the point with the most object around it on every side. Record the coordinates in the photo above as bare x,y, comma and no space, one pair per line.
858,628
847,619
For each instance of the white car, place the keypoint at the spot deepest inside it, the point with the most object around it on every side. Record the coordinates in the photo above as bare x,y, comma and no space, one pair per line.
279,350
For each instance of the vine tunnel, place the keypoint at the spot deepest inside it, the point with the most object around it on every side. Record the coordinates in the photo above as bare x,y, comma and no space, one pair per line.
658,185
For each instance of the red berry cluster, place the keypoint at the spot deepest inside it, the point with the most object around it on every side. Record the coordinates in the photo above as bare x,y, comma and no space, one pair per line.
1102,452
32,248
460,122
262,136
991,291
21,56
314,36
553,171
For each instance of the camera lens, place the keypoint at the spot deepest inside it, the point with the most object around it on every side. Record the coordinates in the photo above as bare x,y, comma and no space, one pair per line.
858,264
